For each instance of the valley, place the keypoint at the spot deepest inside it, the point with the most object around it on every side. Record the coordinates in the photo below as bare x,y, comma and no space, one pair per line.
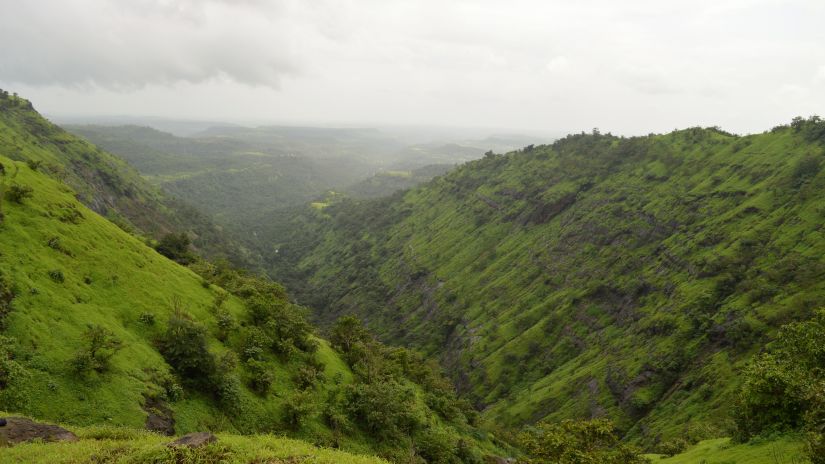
594,278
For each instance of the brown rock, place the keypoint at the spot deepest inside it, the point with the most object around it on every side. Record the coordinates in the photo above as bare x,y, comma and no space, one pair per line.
20,429
195,440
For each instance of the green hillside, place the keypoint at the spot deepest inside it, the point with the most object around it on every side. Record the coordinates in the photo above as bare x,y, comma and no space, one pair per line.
103,182
598,276
98,328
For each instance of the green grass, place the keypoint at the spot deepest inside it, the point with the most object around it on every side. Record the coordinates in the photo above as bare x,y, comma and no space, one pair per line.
787,450
124,445
111,278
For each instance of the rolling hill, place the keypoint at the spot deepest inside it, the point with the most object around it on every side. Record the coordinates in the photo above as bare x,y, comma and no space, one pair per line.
631,278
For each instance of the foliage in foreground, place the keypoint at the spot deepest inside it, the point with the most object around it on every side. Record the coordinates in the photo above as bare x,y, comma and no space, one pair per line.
577,442
117,445
784,389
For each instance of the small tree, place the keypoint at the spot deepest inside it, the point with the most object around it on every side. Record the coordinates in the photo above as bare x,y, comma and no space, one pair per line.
297,409
176,248
348,331
101,345
185,348
260,376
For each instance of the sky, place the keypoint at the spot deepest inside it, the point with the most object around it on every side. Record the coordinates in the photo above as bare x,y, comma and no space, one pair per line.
627,67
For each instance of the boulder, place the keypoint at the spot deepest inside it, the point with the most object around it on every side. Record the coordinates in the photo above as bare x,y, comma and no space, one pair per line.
195,440
19,430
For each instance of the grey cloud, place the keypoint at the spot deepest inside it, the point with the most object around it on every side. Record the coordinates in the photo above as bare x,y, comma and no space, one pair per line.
130,44
532,64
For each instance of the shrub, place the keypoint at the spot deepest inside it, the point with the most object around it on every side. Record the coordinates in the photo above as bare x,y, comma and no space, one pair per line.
785,388
34,165
297,409
176,248
226,323
7,294
57,276
227,388
260,376
185,348
575,442
385,409
436,445
14,378
673,447
101,345
147,318
255,343
347,332
307,377
17,193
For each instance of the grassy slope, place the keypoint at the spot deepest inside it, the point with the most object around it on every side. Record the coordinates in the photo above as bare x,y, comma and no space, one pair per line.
103,182
111,278
786,450
123,445
597,276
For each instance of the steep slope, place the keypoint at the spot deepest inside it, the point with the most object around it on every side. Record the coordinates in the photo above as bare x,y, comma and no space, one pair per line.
103,182
596,276
98,328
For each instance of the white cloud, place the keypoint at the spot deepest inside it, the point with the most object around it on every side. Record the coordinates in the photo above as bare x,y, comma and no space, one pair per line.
628,67
820,74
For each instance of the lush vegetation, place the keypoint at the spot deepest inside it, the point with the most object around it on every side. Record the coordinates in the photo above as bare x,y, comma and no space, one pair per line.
105,443
784,388
574,442
99,328
603,294
628,278
104,183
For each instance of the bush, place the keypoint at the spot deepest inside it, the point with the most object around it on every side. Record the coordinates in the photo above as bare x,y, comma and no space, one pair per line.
185,348
34,165
226,323
14,378
575,442
7,294
147,318
673,447
101,346
260,376
347,332
385,409
176,248
307,377
17,193
57,276
784,389
436,445
297,409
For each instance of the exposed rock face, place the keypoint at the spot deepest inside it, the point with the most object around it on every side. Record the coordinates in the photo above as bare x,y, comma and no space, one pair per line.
195,440
159,417
19,430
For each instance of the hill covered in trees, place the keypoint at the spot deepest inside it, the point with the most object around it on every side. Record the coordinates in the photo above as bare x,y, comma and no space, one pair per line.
600,276
97,328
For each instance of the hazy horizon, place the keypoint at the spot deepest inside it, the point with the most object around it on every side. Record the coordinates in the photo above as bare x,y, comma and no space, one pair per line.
528,66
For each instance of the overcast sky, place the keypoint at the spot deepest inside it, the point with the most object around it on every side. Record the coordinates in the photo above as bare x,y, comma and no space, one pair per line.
629,66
